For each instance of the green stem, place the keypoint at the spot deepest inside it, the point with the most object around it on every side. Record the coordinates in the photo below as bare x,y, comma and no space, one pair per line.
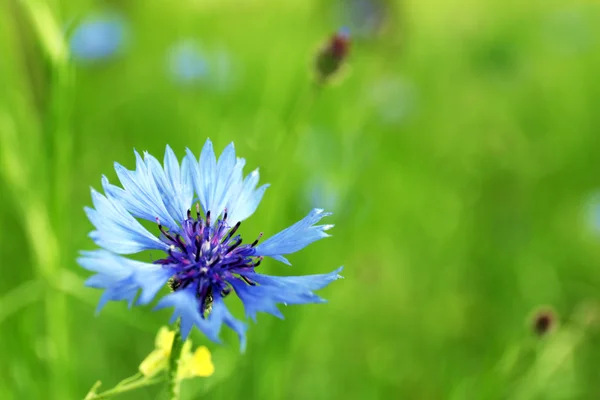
176,348
129,380
121,388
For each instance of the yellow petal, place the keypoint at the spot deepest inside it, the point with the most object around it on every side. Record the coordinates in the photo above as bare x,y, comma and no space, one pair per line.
186,349
153,363
201,362
164,339
197,364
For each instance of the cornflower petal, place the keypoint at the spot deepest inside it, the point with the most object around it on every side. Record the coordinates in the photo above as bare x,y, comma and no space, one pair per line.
226,168
207,180
180,180
244,203
272,290
175,188
220,184
141,195
296,237
116,230
186,307
220,314
123,278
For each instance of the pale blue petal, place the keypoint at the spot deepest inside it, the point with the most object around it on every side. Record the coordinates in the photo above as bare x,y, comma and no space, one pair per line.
242,204
220,314
217,181
123,278
232,186
227,177
296,237
180,182
116,230
172,166
290,283
187,183
205,183
193,169
273,290
165,187
254,299
225,166
118,195
141,195
187,307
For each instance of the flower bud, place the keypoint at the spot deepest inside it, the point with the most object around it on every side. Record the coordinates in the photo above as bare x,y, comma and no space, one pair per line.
330,59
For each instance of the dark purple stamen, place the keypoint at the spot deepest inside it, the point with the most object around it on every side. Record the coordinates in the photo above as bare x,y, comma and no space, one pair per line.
215,262
163,231
207,257
238,241
232,231
248,281
180,242
257,239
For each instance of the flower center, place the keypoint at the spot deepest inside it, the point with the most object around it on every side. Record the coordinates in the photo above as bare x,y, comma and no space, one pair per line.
207,255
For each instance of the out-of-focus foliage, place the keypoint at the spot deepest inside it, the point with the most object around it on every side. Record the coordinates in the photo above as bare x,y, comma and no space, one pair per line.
459,151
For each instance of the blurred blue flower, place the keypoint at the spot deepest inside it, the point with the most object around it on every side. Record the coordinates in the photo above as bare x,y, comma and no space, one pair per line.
187,63
365,17
190,64
98,37
204,259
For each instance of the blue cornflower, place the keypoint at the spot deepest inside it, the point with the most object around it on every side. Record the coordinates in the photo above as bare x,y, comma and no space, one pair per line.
98,37
204,259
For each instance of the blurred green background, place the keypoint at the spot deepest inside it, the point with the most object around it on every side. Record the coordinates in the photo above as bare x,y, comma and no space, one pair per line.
458,151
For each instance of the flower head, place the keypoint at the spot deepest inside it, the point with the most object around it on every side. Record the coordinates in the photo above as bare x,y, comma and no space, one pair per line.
204,258
98,37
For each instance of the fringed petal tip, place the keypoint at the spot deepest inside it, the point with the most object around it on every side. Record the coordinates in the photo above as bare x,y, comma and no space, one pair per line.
122,278
270,291
296,237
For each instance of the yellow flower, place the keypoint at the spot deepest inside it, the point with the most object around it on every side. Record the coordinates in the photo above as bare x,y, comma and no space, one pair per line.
197,364
158,358
190,365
